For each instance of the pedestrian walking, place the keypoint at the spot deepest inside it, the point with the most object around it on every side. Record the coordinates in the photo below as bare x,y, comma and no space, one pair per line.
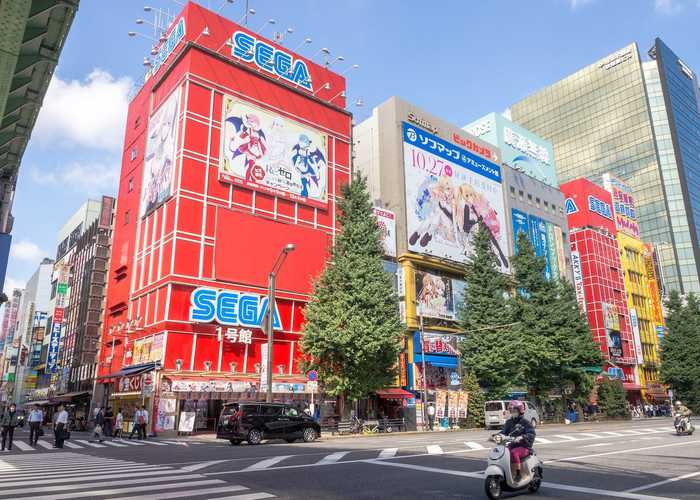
140,423
109,419
60,426
99,424
35,419
431,415
8,423
118,424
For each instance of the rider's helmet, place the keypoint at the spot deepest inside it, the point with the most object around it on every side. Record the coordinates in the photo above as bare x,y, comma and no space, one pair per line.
517,405
678,403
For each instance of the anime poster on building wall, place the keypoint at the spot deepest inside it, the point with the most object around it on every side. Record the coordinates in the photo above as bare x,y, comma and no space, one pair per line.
386,220
159,160
434,297
448,191
264,151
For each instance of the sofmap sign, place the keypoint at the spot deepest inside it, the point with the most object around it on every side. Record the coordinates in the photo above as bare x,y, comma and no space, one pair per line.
174,38
230,308
268,58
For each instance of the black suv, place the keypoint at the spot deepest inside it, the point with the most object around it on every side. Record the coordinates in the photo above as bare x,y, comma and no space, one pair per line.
254,422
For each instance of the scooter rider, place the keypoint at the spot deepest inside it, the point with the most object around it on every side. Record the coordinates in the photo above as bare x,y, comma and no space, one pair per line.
682,412
523,432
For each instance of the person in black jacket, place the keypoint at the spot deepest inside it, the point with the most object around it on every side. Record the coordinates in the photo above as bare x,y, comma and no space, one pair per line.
8,422
523,432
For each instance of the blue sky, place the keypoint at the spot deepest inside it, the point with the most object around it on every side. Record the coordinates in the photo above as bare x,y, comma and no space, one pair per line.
457,59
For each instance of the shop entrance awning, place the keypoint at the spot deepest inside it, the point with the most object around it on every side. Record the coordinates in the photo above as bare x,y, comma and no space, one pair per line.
394,394
631,387
437,360
65,398
133,370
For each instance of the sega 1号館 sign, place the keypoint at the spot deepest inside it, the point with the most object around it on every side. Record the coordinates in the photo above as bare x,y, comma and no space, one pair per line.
268,58
231,308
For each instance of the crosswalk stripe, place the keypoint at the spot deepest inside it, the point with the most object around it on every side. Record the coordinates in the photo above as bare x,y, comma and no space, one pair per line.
388,452
566,436
247,496
72,445
68,480
23,446
129,442
107,484
114,443
434,449
185,494
636,433
332,458
88,443
82,470
45,444
201,465
542,440
264,464
590,435
133,489
151,442
610,433
474,445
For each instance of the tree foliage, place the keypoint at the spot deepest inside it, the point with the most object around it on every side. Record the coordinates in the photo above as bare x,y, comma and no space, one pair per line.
475,406
680,351
612,400
353,332
488,347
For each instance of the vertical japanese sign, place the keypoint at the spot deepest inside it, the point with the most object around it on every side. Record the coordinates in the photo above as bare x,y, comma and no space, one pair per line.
52,355
386,220
578,279
637,340
552,257
520,222
623,205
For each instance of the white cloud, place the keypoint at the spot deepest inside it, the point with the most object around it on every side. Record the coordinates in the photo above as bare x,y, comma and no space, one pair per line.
26,250
91,178
11,284
669,7
89,113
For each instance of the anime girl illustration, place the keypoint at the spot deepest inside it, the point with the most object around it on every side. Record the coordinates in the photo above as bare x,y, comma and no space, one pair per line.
249,141
308,161
434,208
432,293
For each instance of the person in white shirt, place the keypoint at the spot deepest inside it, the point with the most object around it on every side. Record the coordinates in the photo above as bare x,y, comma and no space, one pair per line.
60,428
431,415
35,419
118,423
140,423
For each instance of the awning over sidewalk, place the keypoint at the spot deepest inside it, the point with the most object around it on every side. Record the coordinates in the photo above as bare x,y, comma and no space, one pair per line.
628,386
69,396
394,394
437,360
132,370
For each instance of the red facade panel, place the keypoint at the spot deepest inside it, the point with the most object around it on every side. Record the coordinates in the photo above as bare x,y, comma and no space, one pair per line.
588,205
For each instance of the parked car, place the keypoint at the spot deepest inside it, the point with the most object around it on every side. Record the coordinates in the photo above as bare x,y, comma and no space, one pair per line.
496,413
253,422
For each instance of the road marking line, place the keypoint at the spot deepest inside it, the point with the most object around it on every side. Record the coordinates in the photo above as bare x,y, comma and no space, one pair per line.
590,435
249,496
650,438
556,486
332,458
45,444
474,446
636,433
154,443
543,441
23,446
76,469
67,480
566,436
130,442
202,465
596,445
113,443
667,481
618,452
610,433
264,464
185,494
117,491
388,453
434,449
72,445
88,443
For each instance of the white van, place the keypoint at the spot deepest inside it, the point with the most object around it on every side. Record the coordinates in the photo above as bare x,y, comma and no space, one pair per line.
496,413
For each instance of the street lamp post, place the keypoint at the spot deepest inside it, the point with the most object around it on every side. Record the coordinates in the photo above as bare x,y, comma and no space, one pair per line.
422,355
271,312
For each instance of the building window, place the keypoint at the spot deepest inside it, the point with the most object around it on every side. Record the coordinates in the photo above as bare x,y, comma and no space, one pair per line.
546,204
537,202
521,195
127,215
137,122
512,191
134,153
529,199
131,185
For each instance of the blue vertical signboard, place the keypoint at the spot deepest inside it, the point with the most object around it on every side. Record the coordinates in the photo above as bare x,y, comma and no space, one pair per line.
52,356
519,220
538,237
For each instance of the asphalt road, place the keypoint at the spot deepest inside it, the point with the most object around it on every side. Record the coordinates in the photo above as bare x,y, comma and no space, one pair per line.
637,460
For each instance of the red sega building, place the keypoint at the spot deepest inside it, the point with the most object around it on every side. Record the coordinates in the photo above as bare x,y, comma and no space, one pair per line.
234,148
598,277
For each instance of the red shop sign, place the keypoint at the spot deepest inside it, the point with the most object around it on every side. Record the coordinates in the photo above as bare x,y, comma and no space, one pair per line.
130,384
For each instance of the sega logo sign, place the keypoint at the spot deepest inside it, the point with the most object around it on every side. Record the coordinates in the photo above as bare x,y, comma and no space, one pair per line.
599,207
266,57
230,308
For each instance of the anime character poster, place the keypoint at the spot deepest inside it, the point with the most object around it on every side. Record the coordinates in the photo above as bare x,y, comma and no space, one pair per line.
434,296
265,151
448,191
159,160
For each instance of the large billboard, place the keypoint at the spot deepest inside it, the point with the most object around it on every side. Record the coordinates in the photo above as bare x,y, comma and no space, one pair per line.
265,151
159,160
434,296
623,205
448,191
386,220
546,238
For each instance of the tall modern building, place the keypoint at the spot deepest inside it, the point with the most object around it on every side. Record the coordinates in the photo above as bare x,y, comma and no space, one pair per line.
639,121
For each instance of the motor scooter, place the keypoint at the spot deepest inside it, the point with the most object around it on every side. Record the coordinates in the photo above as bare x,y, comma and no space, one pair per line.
683,426
499,474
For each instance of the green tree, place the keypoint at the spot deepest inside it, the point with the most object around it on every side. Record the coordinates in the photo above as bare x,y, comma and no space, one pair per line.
475,405
680,351
353,332
612,400
555,335
489,347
